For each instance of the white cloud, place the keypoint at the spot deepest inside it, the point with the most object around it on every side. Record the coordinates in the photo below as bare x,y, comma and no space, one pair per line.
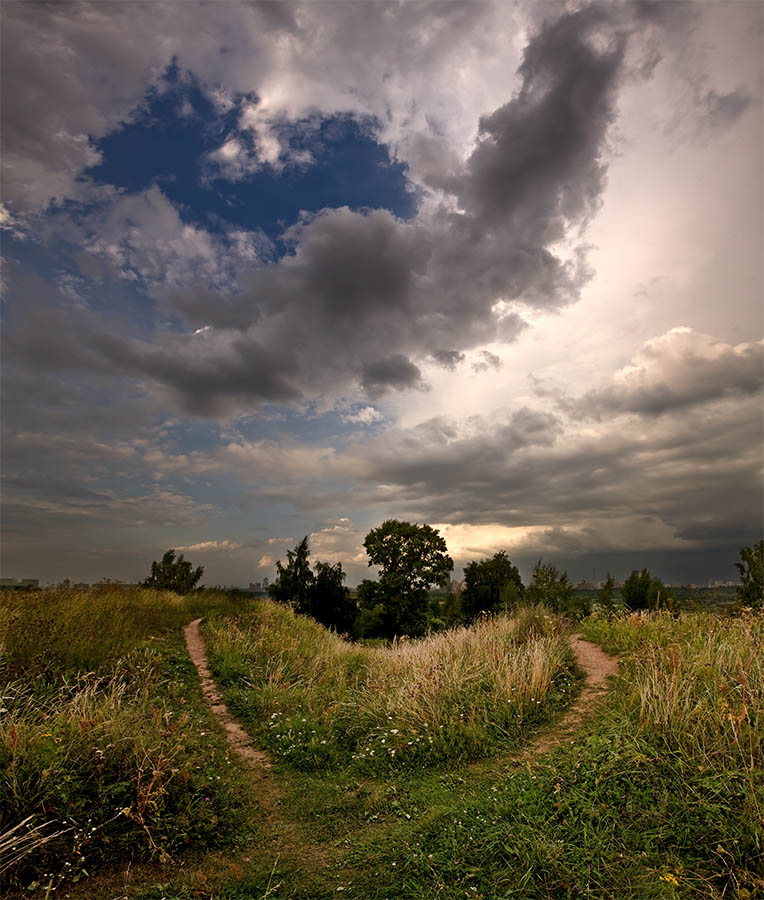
367,415
211,545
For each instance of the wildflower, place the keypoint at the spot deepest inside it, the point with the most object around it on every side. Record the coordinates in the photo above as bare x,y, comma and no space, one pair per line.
672,879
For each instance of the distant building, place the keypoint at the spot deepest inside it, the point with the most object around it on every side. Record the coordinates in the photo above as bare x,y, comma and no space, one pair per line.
19,584
265,583
584,585
255,587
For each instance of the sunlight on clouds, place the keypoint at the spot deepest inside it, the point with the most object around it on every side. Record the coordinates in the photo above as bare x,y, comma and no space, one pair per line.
211,545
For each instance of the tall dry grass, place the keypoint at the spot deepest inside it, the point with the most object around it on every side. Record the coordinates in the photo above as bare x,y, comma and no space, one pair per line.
62,630
106,748
318,700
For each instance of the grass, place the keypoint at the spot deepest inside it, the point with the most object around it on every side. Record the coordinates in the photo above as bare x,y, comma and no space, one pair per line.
659,795
318,702
104,738
63,631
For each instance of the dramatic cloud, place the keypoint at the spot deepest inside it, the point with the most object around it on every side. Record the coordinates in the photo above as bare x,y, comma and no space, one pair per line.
676,371
295,267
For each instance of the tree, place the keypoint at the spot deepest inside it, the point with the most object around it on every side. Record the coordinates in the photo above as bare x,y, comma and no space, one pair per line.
490,585
411,558
320,594
171,574
552,587
329,601
750,591
641,590
606,595
293,580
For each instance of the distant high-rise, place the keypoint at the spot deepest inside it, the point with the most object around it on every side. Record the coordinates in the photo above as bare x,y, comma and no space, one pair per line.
265,583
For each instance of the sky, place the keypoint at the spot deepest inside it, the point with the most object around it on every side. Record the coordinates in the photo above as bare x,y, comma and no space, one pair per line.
294,268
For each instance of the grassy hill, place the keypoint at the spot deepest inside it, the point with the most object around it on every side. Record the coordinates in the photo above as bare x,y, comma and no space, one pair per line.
106,742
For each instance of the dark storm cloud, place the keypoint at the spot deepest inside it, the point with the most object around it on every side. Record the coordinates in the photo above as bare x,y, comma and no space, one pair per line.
537,164
393,372
362,295
532,470
449,359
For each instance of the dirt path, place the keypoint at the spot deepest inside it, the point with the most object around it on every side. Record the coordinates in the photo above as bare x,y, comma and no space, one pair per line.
236,736
597,665
283,840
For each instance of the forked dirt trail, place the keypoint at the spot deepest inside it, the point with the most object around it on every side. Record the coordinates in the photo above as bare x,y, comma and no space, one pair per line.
283,838
597,665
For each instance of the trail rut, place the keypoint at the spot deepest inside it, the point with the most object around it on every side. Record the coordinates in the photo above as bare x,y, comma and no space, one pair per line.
597,665
236,736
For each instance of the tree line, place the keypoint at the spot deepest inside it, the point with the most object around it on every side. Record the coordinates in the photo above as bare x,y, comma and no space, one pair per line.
412,559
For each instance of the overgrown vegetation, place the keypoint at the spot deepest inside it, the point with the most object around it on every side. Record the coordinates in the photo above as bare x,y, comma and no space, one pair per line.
397,765
104,738
318,702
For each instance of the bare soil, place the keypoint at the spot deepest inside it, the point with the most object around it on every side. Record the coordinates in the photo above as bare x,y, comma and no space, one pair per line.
236,736
598,666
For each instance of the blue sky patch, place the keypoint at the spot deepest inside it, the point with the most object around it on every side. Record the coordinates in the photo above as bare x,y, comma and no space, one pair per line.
176,127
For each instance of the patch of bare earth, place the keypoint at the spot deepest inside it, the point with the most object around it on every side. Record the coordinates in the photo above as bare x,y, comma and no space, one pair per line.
236,736
598,666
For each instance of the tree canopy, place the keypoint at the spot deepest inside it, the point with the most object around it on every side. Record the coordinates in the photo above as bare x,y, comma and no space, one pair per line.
320,594
293,580
750,592
552,587
641,590
490,585
411,558
171,574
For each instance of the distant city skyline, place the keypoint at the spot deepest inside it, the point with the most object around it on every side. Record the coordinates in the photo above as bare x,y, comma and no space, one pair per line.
286,269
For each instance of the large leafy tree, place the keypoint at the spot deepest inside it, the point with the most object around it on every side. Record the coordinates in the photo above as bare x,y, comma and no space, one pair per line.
320,594
411,558
491,585
295,579
171,574
329,601
750,592
641,590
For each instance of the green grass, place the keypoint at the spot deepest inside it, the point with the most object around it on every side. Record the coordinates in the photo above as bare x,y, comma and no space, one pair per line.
104,737
63,631
318,702
659,795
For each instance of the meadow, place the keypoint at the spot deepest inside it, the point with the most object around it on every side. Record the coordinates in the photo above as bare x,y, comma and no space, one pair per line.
398,772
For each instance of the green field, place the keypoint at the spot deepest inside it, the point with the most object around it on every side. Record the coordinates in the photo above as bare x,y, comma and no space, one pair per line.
398,772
